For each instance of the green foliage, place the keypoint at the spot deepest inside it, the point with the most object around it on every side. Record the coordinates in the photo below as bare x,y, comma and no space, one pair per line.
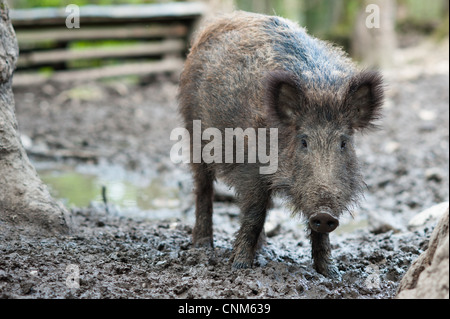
46,71
442,31
81,45
426,17
22,4
335,18
421,11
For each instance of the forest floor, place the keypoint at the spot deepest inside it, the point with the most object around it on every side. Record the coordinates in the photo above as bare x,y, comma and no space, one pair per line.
115,255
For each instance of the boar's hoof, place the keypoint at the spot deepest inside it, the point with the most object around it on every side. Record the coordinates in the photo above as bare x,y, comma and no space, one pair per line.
323,223
330,271
241,265
241,261
205,242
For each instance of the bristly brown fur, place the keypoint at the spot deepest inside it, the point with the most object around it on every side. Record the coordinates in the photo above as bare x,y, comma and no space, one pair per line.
285,86
372,105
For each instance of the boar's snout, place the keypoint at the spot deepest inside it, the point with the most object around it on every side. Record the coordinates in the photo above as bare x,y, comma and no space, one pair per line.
323,222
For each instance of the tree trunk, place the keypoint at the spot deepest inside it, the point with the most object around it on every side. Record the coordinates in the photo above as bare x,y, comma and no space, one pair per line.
25,203
374,38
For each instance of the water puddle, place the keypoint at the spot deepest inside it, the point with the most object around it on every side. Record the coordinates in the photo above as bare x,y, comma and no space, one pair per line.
82,186
352,225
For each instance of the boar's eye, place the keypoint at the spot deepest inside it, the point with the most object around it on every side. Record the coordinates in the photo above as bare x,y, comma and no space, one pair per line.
343,145
304,143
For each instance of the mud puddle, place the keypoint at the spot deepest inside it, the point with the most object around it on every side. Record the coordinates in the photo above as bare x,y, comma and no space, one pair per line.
78,189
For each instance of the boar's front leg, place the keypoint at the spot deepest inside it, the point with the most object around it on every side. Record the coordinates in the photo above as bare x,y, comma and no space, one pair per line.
254,207
321,254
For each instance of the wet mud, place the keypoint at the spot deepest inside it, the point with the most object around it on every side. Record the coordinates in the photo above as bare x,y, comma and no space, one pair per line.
146,252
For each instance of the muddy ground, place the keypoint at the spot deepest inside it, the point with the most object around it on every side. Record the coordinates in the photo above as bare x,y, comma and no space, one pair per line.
112,255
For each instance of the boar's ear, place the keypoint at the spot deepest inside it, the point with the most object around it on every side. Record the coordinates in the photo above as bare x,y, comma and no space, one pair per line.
282,95
364,99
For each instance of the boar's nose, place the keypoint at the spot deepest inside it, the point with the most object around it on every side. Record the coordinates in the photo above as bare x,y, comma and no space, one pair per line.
323,223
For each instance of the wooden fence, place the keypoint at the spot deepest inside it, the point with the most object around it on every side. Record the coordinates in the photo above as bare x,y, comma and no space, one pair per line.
146,39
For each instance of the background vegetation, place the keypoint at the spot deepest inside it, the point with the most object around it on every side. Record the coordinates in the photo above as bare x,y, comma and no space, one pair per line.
336,20
326,18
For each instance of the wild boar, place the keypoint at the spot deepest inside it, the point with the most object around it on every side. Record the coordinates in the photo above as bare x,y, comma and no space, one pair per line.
248,70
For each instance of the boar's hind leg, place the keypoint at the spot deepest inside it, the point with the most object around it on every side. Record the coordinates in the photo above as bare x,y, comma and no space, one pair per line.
253,215
203,230
321,254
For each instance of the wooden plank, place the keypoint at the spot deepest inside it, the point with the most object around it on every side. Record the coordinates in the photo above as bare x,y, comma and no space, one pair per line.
140,69
91,13
137,50
64,154
101,33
